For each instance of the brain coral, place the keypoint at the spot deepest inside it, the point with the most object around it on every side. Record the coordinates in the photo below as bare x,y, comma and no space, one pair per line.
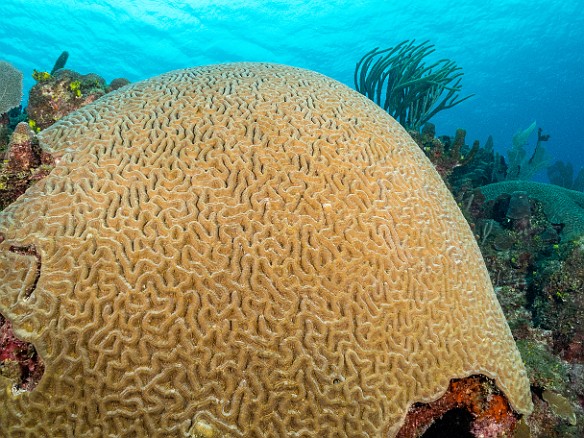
560,205
242,250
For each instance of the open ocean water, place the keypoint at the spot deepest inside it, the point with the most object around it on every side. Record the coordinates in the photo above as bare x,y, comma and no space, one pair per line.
522,59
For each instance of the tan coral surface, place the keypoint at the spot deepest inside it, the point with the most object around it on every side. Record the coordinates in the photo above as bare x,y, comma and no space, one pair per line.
242,250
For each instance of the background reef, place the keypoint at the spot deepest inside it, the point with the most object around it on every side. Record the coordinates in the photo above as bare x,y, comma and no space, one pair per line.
532,239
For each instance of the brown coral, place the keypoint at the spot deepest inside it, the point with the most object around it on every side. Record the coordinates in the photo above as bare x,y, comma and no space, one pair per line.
243,250
10,87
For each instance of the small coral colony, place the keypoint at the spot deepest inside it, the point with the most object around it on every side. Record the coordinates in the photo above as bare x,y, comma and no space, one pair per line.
531,234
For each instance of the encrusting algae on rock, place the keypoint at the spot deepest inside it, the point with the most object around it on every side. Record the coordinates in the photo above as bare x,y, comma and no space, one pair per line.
24,164
243,250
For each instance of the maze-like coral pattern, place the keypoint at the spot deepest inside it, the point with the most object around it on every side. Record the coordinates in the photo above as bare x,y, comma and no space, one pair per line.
242,250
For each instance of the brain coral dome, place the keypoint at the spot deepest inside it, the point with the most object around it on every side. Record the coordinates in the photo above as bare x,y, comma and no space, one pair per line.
242,250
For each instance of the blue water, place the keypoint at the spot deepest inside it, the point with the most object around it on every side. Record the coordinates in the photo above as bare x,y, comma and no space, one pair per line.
523,59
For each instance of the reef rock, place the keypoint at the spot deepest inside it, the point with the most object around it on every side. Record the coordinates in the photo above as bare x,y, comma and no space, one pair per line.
242,250
55,96
24,163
